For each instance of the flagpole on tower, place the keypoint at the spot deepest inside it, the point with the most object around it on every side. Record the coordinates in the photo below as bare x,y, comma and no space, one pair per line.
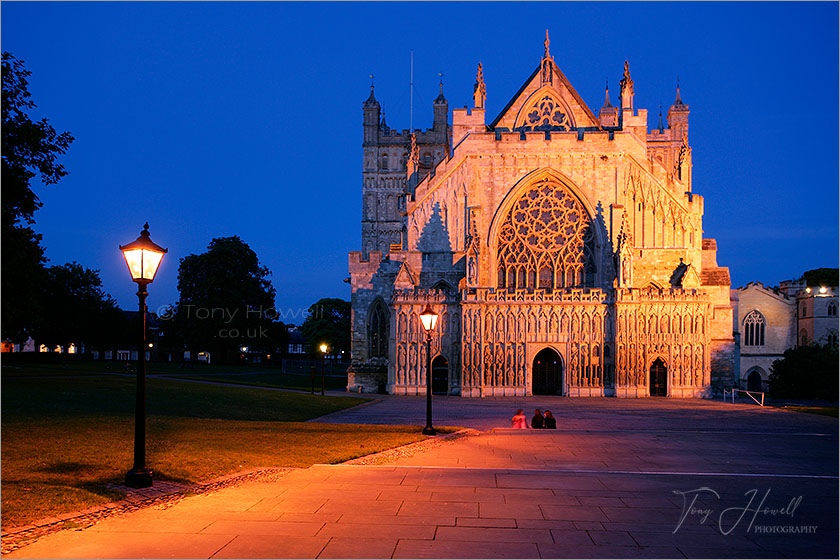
411,95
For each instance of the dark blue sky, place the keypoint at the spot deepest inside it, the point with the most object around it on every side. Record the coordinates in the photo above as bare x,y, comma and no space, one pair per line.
219,119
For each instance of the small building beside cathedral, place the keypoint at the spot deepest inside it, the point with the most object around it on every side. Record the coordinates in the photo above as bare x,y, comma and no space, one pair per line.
562,249
773,319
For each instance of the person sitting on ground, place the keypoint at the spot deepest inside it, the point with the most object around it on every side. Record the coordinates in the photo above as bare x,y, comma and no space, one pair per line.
550,421
519,420
537,421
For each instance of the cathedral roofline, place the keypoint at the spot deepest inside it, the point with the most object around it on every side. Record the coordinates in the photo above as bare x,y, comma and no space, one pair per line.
563,79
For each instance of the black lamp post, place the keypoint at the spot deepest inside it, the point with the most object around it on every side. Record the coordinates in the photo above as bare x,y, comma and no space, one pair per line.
323,349
143,258
429,319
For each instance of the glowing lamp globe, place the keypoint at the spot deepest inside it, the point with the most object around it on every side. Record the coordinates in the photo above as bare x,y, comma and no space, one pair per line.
324,348
429,319
143,257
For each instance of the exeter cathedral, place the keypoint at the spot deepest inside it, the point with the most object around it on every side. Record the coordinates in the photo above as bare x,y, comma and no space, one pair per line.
562,249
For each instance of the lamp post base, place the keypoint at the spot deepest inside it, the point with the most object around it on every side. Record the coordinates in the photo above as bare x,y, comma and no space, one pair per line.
429,431
139,478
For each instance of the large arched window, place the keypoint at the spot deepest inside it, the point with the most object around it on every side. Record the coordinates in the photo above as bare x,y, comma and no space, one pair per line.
546,241
831,338
832,308
378,330
754,329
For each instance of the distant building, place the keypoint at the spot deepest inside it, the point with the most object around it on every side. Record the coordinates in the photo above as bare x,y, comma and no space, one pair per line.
297,342
562,248
774,319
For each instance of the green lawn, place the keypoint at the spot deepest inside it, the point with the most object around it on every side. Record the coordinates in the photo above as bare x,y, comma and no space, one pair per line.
258,375
64,437
822,410
273,379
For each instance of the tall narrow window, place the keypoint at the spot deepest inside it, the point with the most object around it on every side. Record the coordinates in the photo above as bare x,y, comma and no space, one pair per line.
832,308
831,338
378,331
754,329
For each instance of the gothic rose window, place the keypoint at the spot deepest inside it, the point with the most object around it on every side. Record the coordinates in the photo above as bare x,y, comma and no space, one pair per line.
754,329
546,241
378,331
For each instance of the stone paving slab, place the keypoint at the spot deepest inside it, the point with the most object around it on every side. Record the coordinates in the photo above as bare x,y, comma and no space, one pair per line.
476,526
547,495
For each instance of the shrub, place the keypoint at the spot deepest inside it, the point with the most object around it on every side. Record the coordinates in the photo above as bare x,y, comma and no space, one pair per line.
806,372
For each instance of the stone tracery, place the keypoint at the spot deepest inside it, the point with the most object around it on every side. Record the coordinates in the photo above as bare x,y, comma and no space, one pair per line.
546,240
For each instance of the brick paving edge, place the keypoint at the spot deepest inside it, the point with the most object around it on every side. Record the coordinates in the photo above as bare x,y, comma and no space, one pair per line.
410,449
18,537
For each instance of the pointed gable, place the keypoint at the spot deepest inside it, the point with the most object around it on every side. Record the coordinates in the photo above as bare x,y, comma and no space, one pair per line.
546,100
405,279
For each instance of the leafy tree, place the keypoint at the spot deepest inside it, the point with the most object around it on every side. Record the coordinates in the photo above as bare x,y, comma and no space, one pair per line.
77,310
328,322
806,372
226,301
821,277
30,149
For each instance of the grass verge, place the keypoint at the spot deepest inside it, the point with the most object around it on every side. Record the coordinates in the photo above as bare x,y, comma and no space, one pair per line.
298,382
53,466
821,410
66,437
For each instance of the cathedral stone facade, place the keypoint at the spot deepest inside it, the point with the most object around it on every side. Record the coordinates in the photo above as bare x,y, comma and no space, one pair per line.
562,250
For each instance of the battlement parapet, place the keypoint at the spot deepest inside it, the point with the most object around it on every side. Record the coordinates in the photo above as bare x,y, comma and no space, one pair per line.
537,297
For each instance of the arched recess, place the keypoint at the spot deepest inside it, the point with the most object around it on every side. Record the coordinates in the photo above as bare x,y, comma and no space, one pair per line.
755,379
440,376
443,286
378,329
547,373
533,274
658,381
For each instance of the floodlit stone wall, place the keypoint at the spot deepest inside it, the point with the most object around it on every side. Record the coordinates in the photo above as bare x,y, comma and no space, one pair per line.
548,227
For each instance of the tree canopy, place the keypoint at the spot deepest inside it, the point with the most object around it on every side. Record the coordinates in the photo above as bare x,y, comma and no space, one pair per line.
77,310
806,372
226,301
821,277
30,149
328,323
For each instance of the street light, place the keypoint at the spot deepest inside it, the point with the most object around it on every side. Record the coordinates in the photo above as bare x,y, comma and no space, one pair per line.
143,258
429,319
323,366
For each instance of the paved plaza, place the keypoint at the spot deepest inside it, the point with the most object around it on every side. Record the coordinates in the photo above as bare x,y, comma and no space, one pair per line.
618,479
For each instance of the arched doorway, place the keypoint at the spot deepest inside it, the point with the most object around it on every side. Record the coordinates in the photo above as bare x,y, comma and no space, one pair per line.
547,373
658,379
440,376
754,382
